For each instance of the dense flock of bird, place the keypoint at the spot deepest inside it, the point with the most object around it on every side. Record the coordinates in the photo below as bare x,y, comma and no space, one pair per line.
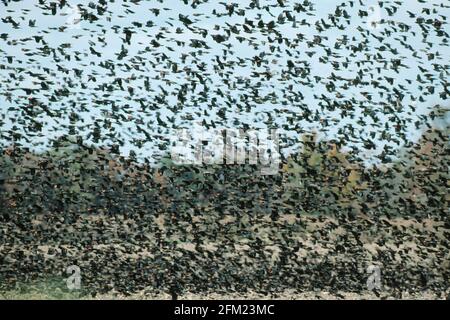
125,75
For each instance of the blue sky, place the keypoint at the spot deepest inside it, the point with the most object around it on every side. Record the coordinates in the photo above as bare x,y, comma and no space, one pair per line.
106,34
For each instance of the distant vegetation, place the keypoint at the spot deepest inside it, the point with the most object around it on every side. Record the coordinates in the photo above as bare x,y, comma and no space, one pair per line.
89,208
